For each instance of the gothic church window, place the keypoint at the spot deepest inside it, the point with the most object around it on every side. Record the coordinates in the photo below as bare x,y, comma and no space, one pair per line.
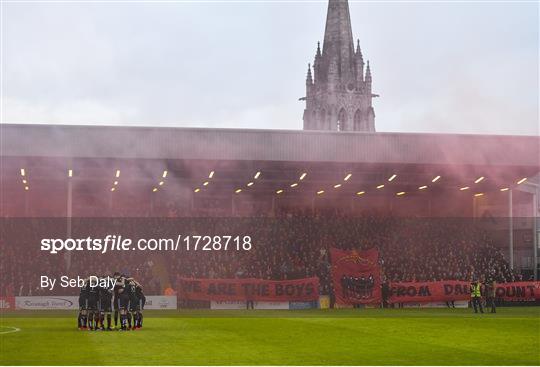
358,121
342,120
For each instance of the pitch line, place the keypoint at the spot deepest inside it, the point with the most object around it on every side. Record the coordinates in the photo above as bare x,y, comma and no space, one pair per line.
13,329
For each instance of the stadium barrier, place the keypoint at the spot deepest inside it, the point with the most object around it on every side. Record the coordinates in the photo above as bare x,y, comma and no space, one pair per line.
7,303
47,303
161,303
457,304
263,305
72,303
293,295
228,305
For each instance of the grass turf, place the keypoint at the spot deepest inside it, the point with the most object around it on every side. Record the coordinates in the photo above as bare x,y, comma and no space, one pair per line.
281,337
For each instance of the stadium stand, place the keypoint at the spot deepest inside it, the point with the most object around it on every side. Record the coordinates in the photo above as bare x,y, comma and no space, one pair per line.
138,178
293,245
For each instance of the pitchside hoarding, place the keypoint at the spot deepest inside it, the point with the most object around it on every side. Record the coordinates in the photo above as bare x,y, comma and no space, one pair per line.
72,303
457,304
228,305
47,303
7,303
160,303
257,305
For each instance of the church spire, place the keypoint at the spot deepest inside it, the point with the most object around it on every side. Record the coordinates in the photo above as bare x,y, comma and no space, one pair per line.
368,73
359,63
338,40
309,78
358,49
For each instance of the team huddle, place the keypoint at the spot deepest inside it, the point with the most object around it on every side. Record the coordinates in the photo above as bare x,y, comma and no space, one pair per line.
97,301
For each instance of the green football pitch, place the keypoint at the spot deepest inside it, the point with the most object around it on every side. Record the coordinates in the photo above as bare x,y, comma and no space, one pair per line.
281,337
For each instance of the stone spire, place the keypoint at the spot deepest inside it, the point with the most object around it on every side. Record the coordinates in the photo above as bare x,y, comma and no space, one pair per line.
338,39
359,61
368,73
358,49
309,78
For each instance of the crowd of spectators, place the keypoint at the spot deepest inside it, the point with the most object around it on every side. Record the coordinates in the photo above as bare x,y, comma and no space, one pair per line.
290,244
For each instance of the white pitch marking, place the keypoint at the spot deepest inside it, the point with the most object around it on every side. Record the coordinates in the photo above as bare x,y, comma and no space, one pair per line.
14,329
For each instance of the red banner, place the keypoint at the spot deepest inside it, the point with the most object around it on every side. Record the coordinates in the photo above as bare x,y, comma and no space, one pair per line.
356,276
518,291
429,291
248,289
451,290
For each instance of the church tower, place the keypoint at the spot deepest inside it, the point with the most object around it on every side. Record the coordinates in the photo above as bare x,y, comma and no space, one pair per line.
338,92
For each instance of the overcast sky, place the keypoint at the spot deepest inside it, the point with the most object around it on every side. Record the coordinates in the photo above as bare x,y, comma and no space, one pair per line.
438,67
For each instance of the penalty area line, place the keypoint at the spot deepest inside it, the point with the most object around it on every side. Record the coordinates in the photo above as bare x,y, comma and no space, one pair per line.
13,329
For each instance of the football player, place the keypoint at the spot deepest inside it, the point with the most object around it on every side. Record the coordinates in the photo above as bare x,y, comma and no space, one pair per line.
82,318
116,300
93,297
123,301
141,302
136,303
105,301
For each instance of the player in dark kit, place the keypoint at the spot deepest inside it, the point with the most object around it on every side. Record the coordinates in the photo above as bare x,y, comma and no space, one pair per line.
93,298
136,302
116,300
142,301
82,318
105,306
130,290
123,302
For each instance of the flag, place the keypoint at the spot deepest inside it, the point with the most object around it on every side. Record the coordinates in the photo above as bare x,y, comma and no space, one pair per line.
356,276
